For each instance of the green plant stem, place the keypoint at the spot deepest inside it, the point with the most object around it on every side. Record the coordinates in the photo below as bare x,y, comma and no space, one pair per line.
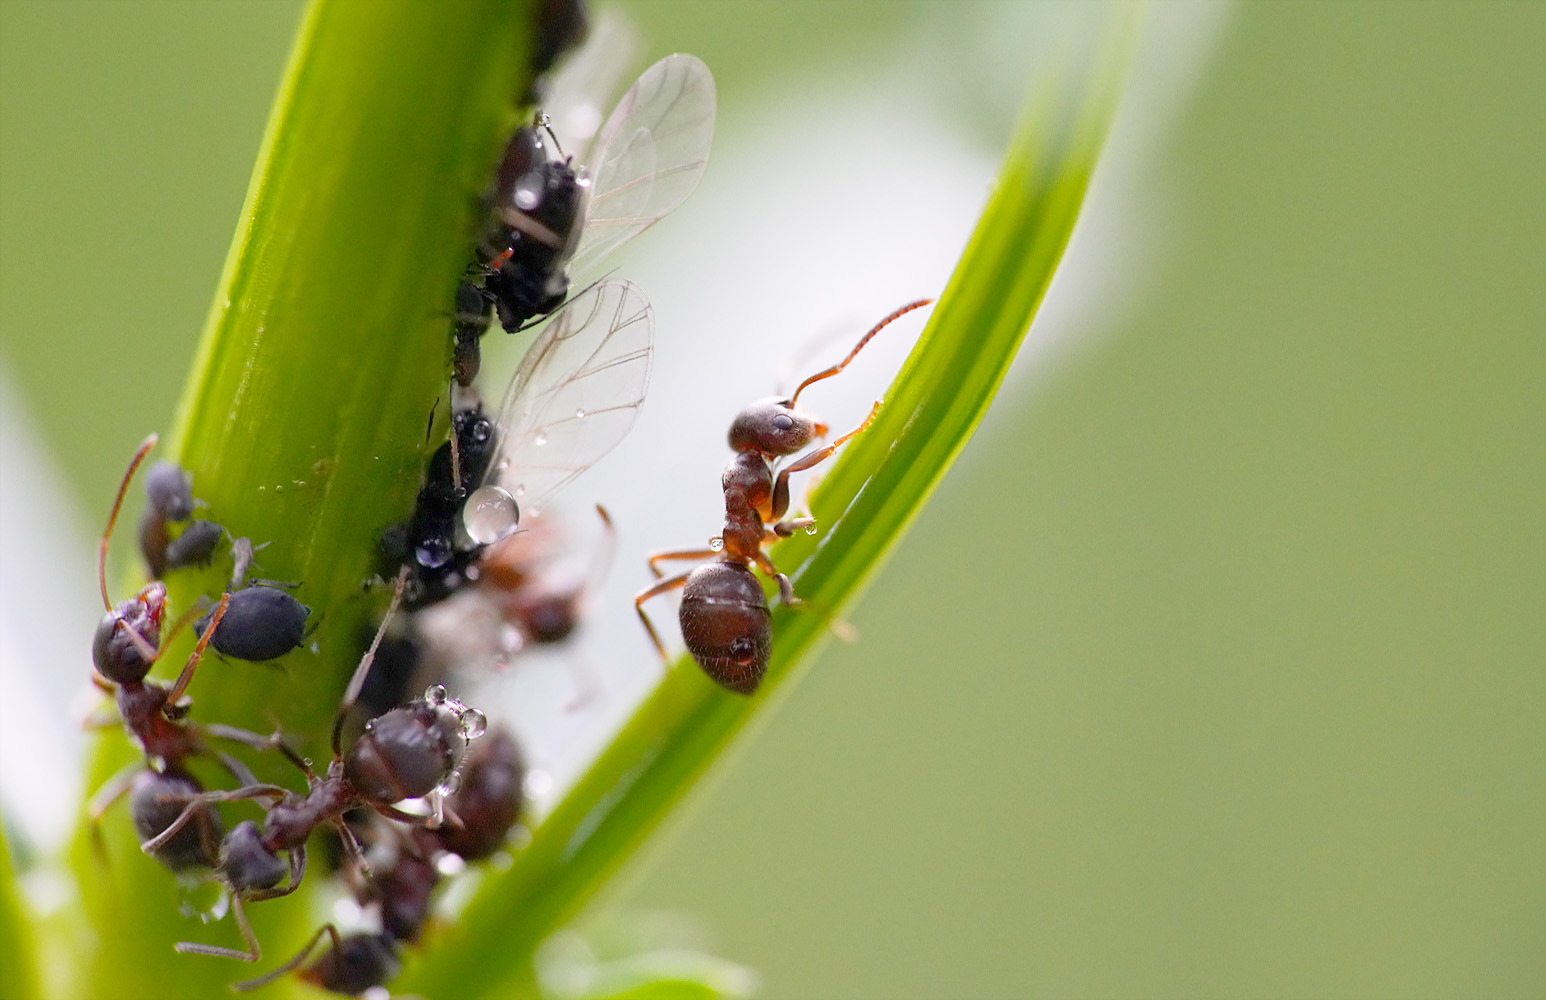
866,502
304,418
18,970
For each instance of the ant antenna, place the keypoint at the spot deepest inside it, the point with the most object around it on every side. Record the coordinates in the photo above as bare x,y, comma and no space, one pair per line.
112,519
828,373
352,692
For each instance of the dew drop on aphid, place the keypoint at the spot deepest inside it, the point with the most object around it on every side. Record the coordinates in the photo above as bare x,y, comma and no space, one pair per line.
435,694
473,723
716,543
490,514
579,414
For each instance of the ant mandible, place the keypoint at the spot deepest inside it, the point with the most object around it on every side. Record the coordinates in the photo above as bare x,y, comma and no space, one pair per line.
724,614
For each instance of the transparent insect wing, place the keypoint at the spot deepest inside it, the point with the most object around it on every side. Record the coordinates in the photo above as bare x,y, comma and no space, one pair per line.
581,89
576,393
649,156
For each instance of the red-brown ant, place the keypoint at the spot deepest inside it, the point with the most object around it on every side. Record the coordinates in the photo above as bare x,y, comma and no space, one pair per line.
724,615
123,650
407,753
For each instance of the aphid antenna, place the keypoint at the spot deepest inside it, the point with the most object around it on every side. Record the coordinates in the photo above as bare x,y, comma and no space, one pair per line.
545,123
352,692
112,519
829,372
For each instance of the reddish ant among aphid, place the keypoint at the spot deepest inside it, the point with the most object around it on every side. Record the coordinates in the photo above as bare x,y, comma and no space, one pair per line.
724,614
409,752
123,650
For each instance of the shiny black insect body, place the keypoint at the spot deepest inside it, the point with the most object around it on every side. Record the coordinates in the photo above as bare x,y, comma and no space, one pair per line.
724,615
262,621
548,215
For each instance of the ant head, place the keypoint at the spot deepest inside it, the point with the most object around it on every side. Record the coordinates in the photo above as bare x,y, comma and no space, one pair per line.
246,863
360,962
116,654
488,799
411,750
156,801
774,427
726,625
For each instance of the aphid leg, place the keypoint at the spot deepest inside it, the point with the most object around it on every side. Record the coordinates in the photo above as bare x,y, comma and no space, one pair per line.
186,677
294,963
829,372
675,583
112,519
352,692
678,555
199,802
809,459
253,952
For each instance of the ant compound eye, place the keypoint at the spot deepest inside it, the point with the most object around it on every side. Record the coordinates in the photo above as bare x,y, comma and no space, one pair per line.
783,422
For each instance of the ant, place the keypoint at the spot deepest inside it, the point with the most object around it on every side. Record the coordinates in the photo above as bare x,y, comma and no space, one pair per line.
486,803
123,650
724,614
407,753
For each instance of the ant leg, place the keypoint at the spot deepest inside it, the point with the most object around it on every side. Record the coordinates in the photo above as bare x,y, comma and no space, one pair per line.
352,692
638,605
103,799
806,461
253,952
678,555
352,848
186,677
206,799
829,372
112,519
294,963
248,738
786,528
392,812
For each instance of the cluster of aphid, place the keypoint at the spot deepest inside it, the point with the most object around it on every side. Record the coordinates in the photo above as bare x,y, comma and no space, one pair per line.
573,398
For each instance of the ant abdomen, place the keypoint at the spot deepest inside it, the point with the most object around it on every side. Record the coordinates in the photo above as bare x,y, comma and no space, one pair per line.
360,962
407,752
155,803
488,799
726,624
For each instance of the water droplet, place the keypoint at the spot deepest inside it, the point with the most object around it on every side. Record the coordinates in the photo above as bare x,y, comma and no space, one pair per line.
474,723
433,553
810,529
435,694
262,488
279,488
579,414
206,901
541,438
716,543
490,514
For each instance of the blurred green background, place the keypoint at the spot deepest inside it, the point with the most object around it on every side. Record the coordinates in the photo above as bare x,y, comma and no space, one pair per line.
1232,673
